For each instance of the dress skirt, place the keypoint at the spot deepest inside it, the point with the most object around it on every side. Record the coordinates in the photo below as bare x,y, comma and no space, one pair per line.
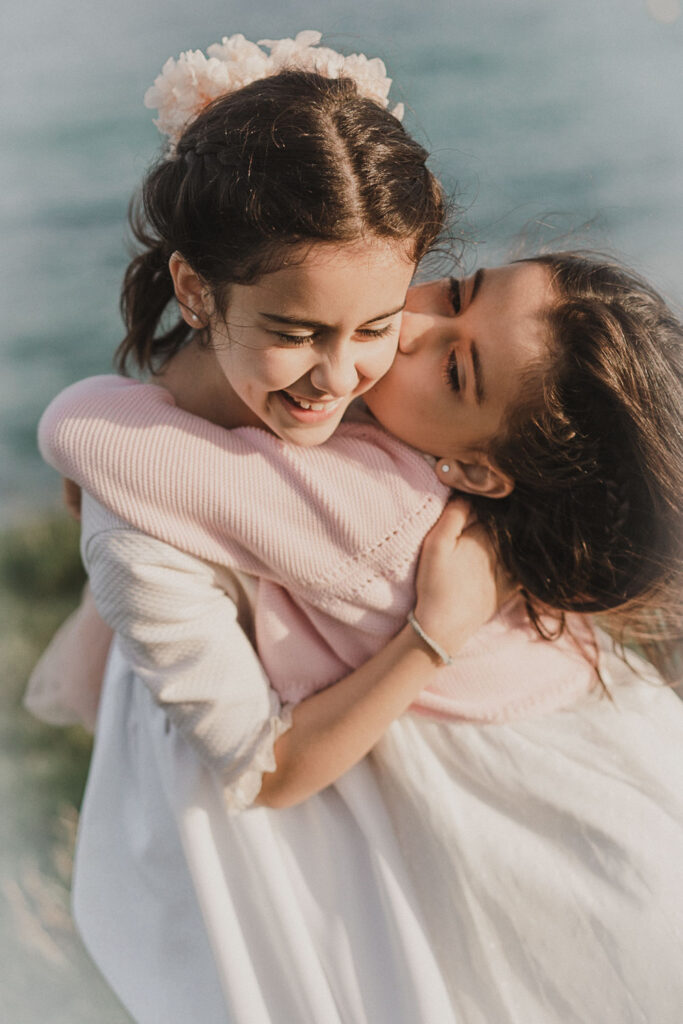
524,873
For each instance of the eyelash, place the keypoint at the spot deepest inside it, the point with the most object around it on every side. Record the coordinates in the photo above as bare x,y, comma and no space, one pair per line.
293,339
454,293
452,375
298,340
380,332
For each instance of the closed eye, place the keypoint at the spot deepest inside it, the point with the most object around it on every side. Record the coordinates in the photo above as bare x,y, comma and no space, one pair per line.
366,333
294,339
376,332
455,296
452,375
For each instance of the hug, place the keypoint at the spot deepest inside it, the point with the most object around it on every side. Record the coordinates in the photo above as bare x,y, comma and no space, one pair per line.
369,745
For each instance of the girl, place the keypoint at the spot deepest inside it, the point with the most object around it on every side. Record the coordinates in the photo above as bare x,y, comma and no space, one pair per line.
370,901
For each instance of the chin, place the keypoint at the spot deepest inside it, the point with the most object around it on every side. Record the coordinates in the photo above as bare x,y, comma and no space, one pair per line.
306,441
308,438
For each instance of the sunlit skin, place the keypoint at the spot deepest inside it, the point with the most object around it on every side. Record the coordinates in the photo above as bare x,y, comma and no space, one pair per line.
461,358
318,333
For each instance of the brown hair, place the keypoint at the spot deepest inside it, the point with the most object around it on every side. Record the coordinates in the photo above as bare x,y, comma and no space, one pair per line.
289,160
594,521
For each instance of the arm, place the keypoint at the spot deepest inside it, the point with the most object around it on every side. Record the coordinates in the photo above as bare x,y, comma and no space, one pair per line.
178,629
335,728
232,496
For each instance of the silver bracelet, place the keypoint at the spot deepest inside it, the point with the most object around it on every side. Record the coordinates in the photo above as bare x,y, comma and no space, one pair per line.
437,648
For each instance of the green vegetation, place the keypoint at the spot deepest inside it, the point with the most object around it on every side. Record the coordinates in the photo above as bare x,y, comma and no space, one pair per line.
40,582
42,775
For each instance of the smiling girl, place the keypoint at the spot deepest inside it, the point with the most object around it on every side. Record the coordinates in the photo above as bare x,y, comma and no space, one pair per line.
293,350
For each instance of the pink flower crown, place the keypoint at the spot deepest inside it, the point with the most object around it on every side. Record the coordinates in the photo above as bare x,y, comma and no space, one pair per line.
186,85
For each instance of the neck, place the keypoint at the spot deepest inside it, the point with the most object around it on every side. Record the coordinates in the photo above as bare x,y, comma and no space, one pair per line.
199,386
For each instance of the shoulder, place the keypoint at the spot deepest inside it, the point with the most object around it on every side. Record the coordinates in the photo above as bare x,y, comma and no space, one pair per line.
105,536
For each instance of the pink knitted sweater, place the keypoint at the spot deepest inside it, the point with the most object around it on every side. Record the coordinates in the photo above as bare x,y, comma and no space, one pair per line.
332,532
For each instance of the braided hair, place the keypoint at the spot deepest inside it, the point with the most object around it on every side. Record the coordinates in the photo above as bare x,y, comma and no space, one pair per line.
595,447
289,160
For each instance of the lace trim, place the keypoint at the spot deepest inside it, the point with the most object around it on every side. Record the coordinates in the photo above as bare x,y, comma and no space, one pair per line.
241,794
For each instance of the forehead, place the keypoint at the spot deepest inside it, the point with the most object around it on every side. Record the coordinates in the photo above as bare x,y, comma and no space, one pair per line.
519,293
324,278
506,327
511,323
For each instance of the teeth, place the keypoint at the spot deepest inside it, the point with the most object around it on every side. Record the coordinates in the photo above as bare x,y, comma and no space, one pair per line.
315,406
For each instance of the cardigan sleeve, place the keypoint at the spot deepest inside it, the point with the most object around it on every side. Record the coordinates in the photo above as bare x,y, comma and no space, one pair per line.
332,523
179,631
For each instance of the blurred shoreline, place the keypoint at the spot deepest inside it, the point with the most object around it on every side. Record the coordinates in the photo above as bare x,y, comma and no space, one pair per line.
541,117
46,975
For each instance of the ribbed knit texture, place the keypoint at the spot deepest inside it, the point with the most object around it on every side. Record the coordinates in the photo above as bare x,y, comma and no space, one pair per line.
176,620
332,532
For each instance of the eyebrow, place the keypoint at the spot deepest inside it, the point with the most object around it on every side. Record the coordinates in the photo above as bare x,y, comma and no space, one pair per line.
476,284
318,325
479,392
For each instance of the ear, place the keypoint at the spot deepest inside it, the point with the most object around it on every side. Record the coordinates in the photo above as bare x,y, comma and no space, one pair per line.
189,290
477,475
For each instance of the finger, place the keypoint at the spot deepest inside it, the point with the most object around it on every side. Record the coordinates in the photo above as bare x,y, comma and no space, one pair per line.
477,535
506,586
455,517
444,535
473,530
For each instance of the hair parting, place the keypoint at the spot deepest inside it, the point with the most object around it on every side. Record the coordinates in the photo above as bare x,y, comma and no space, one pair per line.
260,174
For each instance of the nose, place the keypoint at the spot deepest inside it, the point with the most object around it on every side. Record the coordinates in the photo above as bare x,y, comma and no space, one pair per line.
416,330
336,373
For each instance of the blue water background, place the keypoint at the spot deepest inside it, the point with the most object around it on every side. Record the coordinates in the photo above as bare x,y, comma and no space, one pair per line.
545,115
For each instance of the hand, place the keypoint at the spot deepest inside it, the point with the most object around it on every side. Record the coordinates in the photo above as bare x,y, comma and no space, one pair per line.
460,585
71,494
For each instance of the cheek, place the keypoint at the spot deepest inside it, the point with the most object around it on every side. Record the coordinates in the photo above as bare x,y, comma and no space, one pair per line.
374,361
273,368
392,399
404,385
432,297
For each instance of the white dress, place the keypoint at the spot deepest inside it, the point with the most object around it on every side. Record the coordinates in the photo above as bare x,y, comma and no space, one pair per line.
528,872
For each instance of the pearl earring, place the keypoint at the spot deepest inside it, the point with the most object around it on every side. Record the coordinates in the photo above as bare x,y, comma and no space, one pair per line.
195,317
445,468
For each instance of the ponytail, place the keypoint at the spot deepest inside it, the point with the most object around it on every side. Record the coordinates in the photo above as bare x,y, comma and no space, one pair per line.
145,295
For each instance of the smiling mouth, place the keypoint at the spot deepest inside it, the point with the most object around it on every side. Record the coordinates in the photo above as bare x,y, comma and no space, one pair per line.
303,403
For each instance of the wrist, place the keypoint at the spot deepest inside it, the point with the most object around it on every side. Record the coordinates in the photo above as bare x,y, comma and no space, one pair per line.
444,629
443,656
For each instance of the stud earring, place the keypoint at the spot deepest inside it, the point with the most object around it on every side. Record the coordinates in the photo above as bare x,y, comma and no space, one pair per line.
195,317
445,468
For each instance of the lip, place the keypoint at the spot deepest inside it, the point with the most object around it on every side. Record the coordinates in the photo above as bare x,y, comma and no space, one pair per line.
308,415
